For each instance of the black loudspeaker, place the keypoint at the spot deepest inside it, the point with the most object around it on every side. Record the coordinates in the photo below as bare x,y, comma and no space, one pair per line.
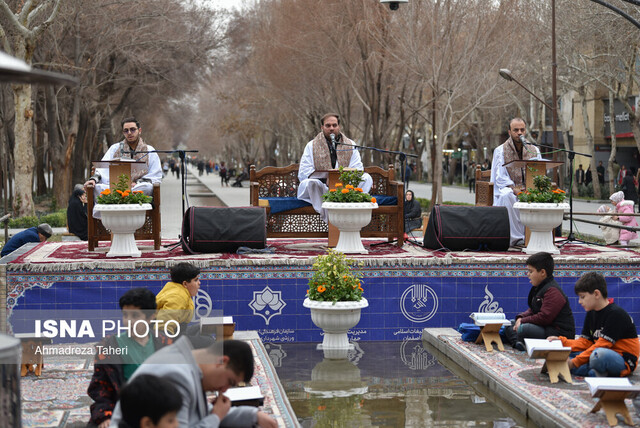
223,229
459,228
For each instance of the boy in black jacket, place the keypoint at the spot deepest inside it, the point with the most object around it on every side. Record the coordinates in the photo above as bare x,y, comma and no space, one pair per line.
549,313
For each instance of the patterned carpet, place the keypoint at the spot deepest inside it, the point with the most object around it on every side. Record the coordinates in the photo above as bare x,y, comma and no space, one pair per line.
54,256
58,398
570,404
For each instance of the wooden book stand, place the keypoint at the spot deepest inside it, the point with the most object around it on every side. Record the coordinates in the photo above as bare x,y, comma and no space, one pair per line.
489,333
612,402
555,364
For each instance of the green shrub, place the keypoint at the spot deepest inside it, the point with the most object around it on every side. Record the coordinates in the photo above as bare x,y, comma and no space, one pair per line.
56,219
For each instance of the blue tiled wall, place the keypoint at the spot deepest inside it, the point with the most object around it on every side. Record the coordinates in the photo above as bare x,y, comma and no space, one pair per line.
402,300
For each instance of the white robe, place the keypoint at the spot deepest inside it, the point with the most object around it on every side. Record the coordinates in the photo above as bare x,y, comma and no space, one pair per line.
503,195
154,174
311,188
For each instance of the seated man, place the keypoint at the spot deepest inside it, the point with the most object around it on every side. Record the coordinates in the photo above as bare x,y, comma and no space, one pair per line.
33,234
509,181
131,147
194,372
321,154
77,213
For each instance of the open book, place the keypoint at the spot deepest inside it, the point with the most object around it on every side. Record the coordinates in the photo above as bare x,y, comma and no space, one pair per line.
245,396
598,385
538,348
484,318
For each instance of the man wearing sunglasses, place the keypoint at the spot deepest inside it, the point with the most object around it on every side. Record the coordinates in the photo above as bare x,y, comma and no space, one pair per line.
131,147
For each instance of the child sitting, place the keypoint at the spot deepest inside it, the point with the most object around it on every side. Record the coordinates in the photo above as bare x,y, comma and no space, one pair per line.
610,234
149,401
549,312
624,207
609,342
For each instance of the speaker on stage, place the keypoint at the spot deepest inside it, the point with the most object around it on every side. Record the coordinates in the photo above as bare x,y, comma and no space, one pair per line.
459,228
223,229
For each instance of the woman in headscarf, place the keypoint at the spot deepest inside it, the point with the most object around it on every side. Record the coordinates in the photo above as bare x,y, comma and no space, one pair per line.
624,207
412,212
77,213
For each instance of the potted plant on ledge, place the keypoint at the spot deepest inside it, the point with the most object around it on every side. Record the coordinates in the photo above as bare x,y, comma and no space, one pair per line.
335,299
123,212
541,210
349,210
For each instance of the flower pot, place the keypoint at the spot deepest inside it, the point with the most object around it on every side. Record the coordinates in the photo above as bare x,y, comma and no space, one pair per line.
541,219
335,320
123,220
350,218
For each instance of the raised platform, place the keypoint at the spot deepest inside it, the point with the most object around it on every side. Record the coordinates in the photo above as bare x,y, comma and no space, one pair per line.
408,288
518,382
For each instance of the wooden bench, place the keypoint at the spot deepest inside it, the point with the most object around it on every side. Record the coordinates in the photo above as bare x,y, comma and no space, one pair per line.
302,221
149,230
484,188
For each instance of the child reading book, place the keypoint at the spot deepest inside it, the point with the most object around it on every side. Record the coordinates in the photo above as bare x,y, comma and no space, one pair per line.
549,313
609,344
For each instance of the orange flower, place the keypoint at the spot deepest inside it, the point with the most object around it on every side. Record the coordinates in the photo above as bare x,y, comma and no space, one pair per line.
345,190
106,192
332,190
321,289
360,288
138,191
373,200
562,191
338,184
358,189
119,191
349,186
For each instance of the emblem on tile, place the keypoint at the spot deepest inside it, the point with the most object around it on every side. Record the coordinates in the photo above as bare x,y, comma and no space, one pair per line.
267,303
488,304
419,303
203,304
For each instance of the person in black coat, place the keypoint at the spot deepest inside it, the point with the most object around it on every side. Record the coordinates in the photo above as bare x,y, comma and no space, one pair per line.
77,213
629,188
412,212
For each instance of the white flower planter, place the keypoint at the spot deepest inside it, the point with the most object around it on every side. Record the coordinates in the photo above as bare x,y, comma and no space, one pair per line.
541,219
123,220
350,218
335,320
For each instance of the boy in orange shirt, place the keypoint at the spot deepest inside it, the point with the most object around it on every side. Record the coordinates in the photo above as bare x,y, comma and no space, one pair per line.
609,340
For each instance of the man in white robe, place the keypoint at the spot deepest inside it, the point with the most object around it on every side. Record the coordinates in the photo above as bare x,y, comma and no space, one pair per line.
320,154
131,147
509,181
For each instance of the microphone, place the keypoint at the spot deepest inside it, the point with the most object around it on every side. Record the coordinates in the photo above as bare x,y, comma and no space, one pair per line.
524,140
333,140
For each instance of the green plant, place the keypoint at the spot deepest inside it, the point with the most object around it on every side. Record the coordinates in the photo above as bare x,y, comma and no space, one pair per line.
122,195
542,192
56,219
23,222
347,190
333,280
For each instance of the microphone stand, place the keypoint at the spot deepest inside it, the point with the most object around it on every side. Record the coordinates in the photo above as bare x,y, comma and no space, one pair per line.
571,154
403,157
183,177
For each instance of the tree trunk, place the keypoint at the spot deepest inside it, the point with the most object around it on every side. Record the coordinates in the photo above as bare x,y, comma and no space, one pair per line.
23,151
614,146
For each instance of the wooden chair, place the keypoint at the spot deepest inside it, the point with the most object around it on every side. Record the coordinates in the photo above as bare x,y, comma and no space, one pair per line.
150,229
484,188
387,221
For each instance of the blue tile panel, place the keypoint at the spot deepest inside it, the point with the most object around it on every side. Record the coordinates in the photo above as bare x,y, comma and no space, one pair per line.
402,299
